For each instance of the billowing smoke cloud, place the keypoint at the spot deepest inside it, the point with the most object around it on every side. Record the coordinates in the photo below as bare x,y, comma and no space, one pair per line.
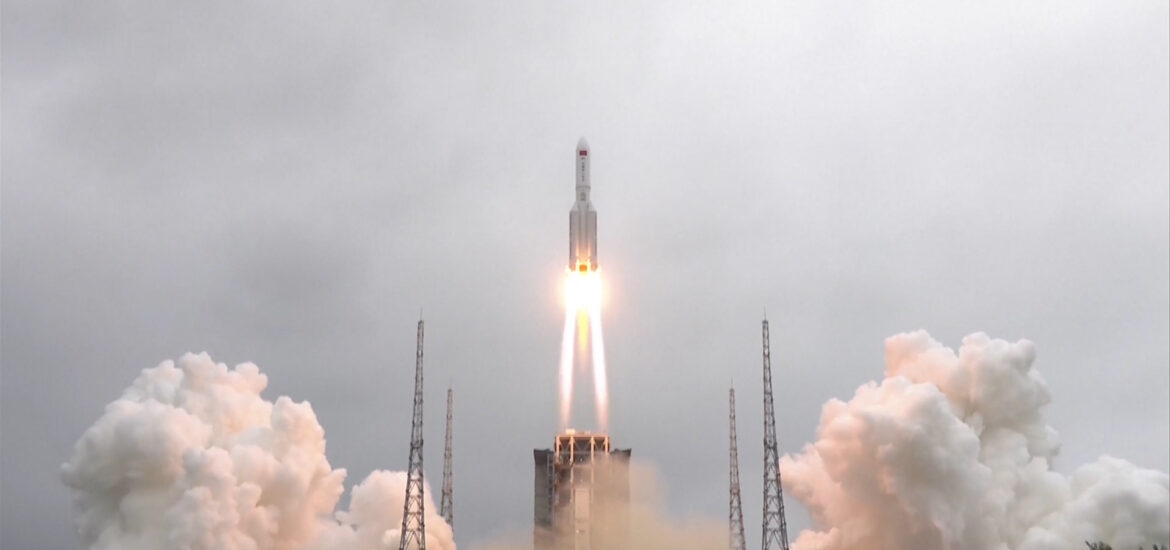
950,451
192,457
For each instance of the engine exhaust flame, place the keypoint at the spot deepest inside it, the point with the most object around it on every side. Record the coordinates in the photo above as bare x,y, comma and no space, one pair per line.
566,370
582,344
600,391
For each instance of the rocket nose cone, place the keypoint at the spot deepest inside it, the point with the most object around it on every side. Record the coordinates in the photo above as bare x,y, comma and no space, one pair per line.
582,145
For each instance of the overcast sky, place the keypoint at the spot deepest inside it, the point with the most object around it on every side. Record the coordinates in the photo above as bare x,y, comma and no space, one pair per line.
290,182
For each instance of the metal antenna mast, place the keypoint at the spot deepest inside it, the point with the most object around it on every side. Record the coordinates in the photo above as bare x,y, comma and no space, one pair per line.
447,506
413,515
775,527
735,536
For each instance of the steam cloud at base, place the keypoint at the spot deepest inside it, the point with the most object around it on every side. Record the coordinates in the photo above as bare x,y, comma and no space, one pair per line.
191,456
950,451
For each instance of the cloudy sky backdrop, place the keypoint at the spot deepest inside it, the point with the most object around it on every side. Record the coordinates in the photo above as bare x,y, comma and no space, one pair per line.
290,182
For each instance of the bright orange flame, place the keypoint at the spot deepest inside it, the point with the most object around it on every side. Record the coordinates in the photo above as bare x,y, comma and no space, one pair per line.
582,331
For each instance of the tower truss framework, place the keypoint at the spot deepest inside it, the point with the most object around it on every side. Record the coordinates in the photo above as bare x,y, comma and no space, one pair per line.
736,540
414,527
775,527
447,505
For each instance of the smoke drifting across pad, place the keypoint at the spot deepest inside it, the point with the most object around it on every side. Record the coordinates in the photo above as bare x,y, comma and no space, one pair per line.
191,456
950,451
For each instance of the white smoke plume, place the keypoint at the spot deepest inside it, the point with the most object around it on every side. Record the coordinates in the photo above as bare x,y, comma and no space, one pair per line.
951,452
191,457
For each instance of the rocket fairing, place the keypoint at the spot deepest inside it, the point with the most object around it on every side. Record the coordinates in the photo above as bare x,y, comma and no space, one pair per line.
582,218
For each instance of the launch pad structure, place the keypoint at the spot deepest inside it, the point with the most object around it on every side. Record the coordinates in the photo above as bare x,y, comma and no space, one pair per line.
582,494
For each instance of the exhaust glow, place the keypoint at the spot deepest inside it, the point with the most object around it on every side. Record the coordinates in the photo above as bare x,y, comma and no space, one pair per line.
582,343
600,391
566,369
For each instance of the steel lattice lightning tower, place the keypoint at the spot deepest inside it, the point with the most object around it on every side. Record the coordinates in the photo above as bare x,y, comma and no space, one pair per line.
735,536
775,527
447,506
414,525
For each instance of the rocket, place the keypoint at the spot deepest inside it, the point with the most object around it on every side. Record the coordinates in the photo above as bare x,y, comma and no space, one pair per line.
582,218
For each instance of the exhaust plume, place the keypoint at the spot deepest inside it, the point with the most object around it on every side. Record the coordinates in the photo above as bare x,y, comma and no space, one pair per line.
950,451
587,351
192,457
597,356
566,368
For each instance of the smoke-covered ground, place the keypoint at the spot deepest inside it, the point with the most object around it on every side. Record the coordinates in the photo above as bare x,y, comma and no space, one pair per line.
951,451
192,457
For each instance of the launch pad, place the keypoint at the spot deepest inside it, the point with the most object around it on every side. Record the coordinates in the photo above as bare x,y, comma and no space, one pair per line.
582,492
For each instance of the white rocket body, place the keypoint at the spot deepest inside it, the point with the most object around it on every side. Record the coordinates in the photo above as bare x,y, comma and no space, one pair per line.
582,218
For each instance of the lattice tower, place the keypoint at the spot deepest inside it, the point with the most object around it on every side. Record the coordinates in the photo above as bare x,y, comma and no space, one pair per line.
447,506
775,527
414,525
735,536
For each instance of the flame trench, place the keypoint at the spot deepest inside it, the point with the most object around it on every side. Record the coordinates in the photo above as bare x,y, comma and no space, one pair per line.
582,345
